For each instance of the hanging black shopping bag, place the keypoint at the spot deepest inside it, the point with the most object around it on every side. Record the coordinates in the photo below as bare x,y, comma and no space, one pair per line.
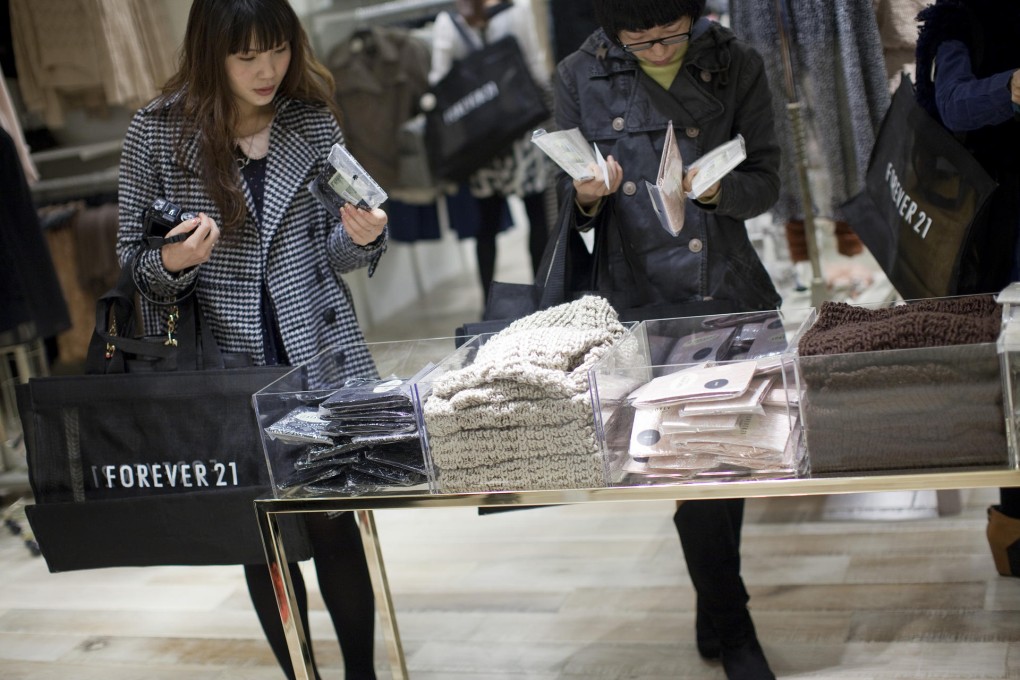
486,102
565,272
148,460
921,212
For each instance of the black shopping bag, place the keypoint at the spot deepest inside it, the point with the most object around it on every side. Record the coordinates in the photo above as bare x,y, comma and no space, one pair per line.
922,209
486,102
155,466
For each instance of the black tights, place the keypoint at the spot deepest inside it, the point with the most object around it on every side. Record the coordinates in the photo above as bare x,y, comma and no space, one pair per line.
491,217
346,588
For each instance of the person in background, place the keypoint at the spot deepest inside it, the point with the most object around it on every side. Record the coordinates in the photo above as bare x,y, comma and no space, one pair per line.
236,137
525,171
968,78
652,62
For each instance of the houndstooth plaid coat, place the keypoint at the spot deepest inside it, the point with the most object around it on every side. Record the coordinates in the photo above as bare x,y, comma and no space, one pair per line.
298,250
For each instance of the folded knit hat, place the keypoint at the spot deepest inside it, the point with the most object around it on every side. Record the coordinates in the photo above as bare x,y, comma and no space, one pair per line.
519,416
842,328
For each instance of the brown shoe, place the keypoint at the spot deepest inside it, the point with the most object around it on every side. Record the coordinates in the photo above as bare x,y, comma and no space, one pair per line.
796,239
1004,540
848,243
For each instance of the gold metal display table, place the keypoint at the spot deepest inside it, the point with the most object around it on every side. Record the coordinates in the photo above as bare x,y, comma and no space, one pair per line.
297,641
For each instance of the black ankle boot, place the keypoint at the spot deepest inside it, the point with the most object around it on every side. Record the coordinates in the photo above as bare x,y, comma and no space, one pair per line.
745,661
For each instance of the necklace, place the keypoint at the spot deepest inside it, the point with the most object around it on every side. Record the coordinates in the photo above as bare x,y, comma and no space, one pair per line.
255,146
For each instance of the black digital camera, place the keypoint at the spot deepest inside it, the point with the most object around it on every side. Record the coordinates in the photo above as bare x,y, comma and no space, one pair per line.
159,218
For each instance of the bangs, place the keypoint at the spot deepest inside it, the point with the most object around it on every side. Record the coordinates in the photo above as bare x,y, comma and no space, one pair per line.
260,28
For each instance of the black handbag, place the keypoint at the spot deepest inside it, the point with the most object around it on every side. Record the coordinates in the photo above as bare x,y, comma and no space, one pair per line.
486,102
565,272
154,457
923,204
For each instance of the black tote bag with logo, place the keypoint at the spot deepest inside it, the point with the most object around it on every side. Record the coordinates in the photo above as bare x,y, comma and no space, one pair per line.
486,102
922,212
148,460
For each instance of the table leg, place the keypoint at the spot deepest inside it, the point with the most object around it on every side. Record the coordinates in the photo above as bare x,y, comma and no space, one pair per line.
381,586
276,560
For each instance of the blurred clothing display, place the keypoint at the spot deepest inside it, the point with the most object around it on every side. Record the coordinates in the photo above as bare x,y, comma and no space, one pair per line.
381,73
839,72
93,54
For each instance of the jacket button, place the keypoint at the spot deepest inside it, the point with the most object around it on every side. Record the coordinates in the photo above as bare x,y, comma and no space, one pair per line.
629,188
618,123
693,132
329,316
695,245
706,77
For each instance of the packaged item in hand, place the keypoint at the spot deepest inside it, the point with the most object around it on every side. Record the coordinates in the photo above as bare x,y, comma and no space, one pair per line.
715,164
667,193
570,150
343,181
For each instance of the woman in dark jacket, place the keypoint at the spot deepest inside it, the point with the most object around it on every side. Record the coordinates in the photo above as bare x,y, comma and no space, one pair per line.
652,62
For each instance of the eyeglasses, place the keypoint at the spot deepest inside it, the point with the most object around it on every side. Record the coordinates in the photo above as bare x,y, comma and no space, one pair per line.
677,39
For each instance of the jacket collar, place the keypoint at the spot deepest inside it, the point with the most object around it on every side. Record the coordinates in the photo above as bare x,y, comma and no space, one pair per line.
290,159
707,52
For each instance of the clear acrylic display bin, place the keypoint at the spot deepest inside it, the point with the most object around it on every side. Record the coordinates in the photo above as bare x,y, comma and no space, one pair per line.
904,410
388,457
480,443
744,426
1009,362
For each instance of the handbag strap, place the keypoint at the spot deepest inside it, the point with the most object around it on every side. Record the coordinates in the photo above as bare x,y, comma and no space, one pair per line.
190,345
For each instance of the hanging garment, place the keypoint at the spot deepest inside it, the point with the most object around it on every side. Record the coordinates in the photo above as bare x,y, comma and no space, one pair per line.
32,305
89,53
380,75
840,76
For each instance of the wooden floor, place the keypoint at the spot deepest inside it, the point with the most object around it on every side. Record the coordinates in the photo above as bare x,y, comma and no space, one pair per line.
592,592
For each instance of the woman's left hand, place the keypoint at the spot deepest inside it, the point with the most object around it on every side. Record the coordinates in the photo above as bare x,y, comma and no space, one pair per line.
706,195
363,226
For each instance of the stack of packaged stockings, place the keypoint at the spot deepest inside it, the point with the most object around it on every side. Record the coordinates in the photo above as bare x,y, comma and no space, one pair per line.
520,416
362,438
879,397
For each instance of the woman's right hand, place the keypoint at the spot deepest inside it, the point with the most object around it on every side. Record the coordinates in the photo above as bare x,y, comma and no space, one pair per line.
590,191
195,249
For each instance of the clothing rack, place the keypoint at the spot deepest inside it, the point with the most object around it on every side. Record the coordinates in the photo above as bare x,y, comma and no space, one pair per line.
335,24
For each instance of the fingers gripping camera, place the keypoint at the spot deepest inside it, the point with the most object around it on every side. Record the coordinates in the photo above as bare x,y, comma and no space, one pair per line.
159,218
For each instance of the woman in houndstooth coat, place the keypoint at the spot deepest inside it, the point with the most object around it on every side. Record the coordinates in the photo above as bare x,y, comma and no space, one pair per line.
236,137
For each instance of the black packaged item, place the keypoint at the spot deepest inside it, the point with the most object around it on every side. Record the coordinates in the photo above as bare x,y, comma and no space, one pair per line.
306,476
390,475
407,456
359,395
303,424
356,444
325,455
771,340
346,428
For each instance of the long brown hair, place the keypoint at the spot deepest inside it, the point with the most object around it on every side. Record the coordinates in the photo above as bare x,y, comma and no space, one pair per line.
199,93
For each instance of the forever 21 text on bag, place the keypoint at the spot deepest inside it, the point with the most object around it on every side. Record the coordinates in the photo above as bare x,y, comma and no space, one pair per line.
486,102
